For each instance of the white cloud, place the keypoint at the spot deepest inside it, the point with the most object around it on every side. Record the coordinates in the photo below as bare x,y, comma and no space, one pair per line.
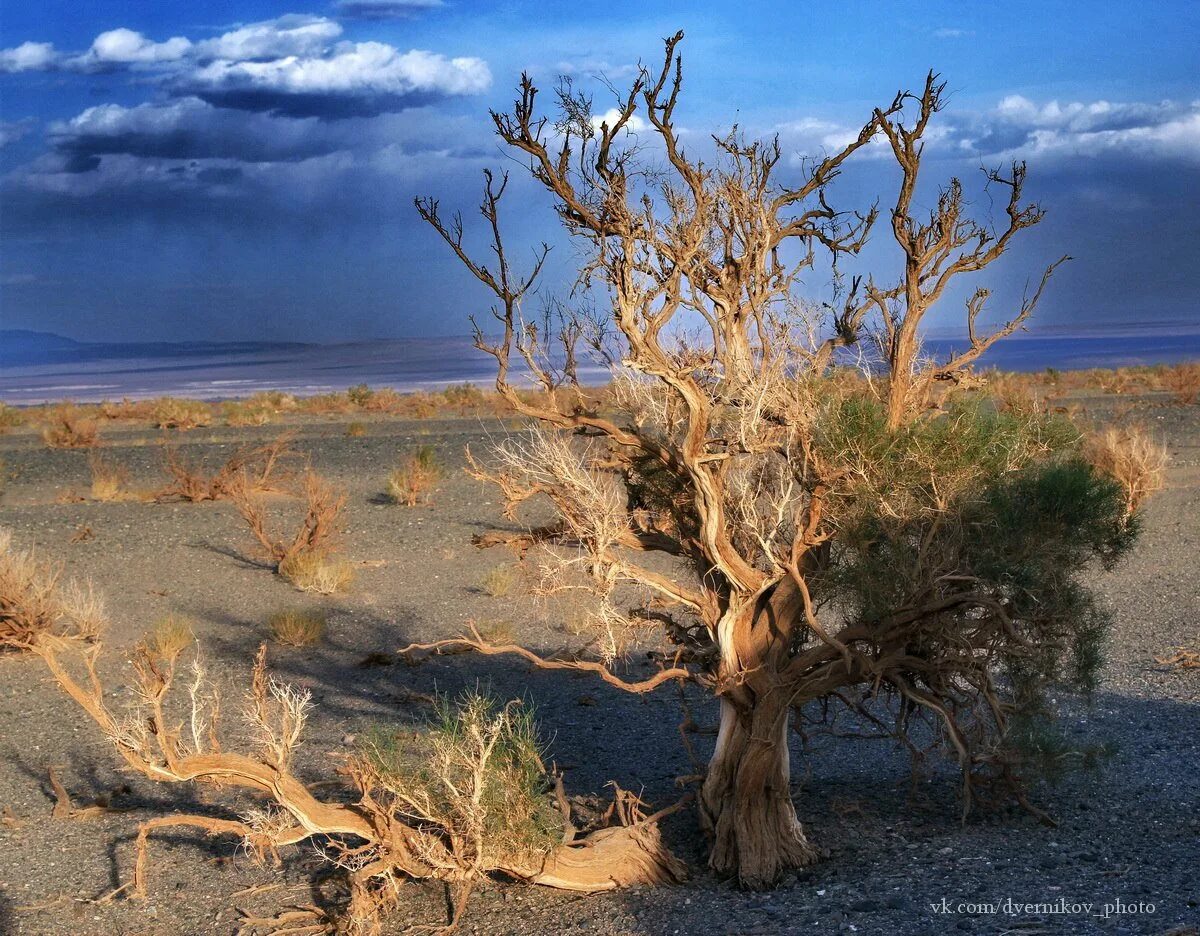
1019,127
127,47
947,32
13,130
28,56
600,67
356,78
288,35
635,124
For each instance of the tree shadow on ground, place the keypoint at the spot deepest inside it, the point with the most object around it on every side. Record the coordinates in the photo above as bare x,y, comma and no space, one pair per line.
1128,829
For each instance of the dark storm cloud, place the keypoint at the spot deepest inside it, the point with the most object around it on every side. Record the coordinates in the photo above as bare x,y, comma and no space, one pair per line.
384,9
192,129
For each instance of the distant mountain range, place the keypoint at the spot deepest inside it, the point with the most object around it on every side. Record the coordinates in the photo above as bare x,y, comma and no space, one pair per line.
21,347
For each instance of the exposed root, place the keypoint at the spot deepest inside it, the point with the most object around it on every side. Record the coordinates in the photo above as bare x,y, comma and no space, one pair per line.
1181,658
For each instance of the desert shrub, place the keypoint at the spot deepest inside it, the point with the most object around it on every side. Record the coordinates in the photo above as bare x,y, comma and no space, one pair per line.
476,802
1183,380
384,400
419,405
360,395
465,396
67,428
34,605
306,559
264,467
253,412
499,580
10,417
172,413
276,400
128,409
414,479
170,636
356,430
324,404
1131,458
297,627
108,477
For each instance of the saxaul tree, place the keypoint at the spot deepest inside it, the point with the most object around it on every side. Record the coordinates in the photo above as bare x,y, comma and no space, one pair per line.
832,537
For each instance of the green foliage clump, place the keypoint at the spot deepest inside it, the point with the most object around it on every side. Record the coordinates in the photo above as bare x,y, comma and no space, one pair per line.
476,770
967,532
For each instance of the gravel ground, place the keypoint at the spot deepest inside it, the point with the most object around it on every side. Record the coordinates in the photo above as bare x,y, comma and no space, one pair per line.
899,859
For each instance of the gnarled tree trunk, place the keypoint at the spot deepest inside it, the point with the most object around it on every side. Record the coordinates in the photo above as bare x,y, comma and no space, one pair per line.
746,804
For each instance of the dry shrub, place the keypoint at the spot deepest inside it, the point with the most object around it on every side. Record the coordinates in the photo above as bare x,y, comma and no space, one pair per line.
296,627
476,769
10,417
171,636
467,798
127,409
359,395
251,412
266,467
1130,457
499,581
1183,380
466,396
324,404
384,400
305,559
356,430
420,405
108,478
33,604
172,413
415,477
67,428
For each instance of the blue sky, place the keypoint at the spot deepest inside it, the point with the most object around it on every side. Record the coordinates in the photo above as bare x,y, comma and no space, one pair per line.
246,170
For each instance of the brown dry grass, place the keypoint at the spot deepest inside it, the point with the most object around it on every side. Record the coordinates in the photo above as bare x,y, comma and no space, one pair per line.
499,581
10,418
170,636
108,478
296,627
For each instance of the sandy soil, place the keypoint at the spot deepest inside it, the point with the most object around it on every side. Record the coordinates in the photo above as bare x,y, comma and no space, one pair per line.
1129,832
